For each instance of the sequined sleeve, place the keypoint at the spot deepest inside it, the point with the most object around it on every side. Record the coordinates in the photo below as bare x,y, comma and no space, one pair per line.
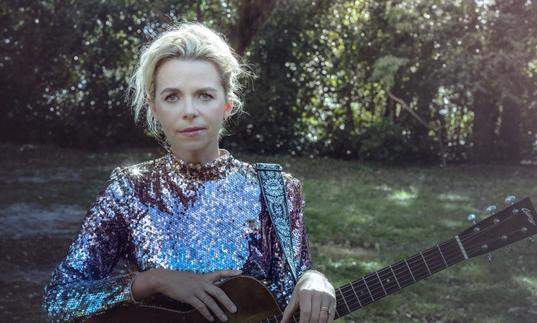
80,286
281,282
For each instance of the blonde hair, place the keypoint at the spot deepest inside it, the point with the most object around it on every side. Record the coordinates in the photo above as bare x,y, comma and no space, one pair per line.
189,41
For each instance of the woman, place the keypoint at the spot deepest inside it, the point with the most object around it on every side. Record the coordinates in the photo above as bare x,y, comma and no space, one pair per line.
192,217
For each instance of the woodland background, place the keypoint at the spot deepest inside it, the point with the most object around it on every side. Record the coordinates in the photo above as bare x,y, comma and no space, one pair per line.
388,80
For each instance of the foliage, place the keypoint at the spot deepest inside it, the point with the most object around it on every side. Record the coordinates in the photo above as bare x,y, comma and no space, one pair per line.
465,67
384,142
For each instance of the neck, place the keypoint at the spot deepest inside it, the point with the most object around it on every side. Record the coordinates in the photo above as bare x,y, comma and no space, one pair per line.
197,157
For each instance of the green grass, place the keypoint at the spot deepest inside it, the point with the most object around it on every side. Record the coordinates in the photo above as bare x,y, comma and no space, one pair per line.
360,218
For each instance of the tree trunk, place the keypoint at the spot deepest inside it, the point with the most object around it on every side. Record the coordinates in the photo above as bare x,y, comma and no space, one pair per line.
484,126
510,131
253,15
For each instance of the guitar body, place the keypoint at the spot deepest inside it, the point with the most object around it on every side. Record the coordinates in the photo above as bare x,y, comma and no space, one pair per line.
253,300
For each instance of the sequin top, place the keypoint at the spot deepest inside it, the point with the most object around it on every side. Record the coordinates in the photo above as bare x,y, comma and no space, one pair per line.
172,214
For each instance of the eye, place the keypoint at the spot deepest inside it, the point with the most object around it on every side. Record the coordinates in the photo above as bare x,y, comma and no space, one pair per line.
171,98
206,96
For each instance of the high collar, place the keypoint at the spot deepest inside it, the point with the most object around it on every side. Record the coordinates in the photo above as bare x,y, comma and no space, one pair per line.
216,168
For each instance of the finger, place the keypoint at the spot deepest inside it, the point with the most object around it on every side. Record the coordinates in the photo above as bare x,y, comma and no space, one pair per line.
215,309
316,299
289,309
305,307
219,274
325,307
200,306
332,313
221,296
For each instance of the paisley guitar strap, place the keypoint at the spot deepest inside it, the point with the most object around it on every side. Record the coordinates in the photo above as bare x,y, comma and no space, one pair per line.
273,190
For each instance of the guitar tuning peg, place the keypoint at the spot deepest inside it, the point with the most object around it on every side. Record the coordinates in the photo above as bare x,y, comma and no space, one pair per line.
510,200
472,218
491,209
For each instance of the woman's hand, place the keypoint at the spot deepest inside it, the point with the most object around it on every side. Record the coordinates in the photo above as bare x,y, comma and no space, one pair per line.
197,290
315,297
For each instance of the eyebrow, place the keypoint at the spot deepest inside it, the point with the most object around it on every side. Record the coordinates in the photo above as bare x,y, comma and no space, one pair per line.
203,89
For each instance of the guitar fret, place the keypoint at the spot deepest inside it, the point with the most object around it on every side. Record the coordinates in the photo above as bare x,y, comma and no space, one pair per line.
442,254
345,301
417,266
388,280
364,296
425,262
356,295
452,247
365,283
381,284
402,272
433,260
410,270
396,280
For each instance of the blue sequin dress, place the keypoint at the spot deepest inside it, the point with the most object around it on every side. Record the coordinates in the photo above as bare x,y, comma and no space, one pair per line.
172,214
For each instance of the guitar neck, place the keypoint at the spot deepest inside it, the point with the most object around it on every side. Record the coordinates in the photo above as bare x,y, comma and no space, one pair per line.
391,279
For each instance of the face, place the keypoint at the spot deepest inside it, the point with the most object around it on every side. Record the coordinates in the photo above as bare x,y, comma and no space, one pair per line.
190,105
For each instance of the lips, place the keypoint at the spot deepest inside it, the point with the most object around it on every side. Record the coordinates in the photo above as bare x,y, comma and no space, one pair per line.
191,129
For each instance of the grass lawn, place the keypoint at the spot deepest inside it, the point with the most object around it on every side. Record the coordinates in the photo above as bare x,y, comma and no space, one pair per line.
360,218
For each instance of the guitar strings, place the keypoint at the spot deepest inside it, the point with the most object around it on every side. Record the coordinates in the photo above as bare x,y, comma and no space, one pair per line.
435,261
374,291
408,279
438,258
375,287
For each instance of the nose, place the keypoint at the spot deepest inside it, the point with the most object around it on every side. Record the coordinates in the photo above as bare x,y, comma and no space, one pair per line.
190,111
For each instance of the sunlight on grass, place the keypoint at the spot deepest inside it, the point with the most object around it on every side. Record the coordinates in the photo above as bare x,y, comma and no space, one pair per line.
403,197
345,263
451,197
530,283
371,265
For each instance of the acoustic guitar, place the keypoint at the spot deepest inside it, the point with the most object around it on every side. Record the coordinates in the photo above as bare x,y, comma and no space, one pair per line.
256,304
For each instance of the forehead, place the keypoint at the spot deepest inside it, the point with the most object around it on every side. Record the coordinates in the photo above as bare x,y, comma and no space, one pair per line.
187,74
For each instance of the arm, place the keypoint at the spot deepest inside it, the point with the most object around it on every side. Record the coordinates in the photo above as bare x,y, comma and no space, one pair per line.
281,282
313,294
79,286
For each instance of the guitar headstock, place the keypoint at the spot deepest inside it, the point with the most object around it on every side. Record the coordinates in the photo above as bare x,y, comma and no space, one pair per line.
513,223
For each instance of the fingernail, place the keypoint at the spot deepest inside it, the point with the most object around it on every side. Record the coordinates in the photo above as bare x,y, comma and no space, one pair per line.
224,318
233,309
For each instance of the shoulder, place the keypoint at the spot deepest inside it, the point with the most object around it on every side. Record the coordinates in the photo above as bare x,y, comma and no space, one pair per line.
293,185
291,181
139,170
136,175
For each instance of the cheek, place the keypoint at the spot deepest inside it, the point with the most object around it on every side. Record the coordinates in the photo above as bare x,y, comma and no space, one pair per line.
166,115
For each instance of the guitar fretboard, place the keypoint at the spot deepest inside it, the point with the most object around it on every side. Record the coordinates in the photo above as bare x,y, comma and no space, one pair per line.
391,279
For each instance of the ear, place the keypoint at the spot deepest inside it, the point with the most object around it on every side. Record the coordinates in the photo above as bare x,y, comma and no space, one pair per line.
228,107
152,105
